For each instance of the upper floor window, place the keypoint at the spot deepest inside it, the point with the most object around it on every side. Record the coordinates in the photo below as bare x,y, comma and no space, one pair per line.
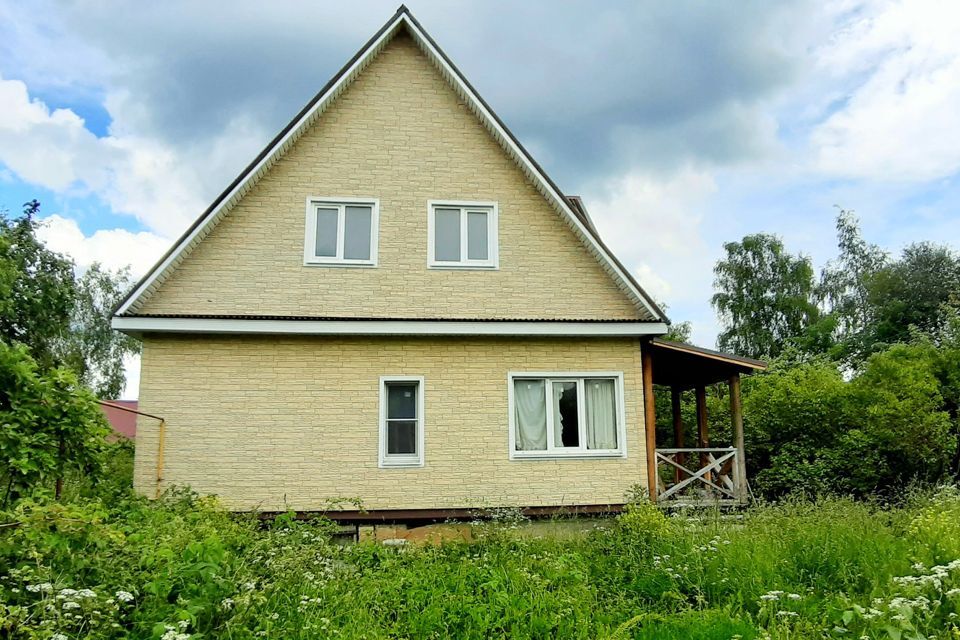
341,231
462,235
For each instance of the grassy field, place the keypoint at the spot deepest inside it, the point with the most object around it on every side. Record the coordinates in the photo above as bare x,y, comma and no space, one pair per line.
108,565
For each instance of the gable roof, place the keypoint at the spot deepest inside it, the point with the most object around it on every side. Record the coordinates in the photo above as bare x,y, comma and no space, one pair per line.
569,207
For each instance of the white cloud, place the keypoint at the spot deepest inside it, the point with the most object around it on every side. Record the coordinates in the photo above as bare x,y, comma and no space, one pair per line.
653,224
113,248
899,121
134,175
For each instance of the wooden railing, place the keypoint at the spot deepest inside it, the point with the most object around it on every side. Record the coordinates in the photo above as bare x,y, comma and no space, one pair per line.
705,476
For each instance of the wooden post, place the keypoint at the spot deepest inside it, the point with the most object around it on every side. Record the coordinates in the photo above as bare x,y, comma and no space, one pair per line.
736,416
650,421
703,429
677,430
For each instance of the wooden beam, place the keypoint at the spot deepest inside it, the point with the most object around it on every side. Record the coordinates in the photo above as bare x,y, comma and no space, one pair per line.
736,417
649,420
703,428
677,429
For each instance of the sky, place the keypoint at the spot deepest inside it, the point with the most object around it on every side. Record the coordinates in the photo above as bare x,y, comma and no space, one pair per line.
683,125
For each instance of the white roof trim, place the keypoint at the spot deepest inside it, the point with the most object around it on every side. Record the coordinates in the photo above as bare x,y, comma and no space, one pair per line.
402,19
144,324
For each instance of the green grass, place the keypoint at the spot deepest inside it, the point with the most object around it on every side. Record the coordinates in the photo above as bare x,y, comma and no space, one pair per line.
801,569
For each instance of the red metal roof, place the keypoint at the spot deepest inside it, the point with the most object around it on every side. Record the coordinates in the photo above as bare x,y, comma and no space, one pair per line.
123,422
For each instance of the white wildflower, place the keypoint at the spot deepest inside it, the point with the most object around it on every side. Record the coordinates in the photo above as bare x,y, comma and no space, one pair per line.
70,604
124,596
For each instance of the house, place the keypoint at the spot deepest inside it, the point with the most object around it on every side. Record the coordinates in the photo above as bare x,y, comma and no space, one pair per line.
394,303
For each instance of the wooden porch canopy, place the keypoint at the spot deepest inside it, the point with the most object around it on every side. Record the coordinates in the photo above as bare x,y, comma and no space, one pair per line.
681,367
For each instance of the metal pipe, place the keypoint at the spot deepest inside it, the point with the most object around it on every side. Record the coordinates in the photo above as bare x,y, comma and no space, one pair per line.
160,435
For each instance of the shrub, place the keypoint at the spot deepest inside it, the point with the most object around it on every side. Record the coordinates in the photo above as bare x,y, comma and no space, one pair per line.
49,425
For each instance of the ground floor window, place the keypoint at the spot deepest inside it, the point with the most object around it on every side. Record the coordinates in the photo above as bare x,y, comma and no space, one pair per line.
401,421
566,414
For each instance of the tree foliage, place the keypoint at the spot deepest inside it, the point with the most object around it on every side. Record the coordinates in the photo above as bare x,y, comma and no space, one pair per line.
62,318
49,423
810,429
37,289
92,348
864,393
56,345
764,296
844,282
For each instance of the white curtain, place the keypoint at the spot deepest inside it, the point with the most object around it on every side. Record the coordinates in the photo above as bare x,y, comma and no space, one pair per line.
601,414
531,408
557,418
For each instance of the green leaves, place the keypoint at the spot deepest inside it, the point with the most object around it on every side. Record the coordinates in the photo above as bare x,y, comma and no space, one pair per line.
63,318
49,424
764,296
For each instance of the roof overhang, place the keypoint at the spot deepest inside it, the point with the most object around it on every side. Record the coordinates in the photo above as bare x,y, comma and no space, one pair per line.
685,366
402,20
139,325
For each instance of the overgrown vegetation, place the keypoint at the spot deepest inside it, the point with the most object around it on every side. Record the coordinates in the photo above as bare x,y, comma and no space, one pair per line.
863,391
56,350
107,564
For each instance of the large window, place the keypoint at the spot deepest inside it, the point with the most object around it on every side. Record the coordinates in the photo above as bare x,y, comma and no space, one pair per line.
566,415
401,421
462,235
341,232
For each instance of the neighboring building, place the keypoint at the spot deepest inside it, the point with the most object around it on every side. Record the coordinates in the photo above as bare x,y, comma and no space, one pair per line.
394,303
121,414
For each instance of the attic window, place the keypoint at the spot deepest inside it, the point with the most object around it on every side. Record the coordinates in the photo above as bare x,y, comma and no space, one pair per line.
341,231
462,235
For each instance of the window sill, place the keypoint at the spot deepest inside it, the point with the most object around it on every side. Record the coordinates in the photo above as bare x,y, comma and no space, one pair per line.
355,265
574,455
464,267
401,465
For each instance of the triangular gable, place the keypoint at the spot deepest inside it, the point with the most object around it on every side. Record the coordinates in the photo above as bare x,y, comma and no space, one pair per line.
571,209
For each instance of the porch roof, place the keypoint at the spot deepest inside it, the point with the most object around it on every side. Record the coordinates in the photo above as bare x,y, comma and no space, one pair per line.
684,366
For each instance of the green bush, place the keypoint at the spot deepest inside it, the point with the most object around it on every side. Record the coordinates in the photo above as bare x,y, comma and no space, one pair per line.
49,425
810,430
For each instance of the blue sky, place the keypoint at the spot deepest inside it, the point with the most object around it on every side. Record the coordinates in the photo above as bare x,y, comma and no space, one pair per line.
682,124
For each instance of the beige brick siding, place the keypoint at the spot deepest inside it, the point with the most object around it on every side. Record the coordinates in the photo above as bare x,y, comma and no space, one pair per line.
289,422
400,134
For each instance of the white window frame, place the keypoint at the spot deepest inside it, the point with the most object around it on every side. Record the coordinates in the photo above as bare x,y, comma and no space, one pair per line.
580,452
492,209
401,461
310,259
